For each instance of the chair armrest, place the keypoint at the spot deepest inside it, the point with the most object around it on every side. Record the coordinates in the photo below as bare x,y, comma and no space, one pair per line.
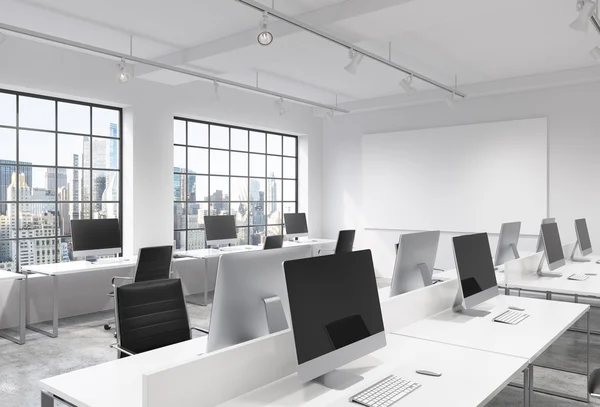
199,330
120,349
438,269
120,278
326,250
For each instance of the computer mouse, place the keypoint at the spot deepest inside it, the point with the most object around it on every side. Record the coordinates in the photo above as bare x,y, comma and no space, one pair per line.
428,373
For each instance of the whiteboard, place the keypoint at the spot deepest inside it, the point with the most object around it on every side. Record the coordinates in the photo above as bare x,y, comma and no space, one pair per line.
457,179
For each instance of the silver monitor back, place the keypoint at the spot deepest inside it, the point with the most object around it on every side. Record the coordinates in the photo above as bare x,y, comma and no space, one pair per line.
540,241
507,243
415,260
244,281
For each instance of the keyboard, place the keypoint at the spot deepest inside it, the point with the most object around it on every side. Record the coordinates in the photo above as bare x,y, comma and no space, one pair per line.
578,277
385,393
231,249
511,317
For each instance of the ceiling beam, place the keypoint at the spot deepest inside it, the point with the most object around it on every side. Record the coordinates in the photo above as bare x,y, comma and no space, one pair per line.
320,18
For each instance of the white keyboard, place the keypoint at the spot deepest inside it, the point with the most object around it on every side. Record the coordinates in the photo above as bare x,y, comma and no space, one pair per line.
231,249
385,393
511,317
579,277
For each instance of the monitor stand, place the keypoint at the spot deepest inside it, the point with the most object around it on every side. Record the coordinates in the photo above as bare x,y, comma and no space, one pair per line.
515,253
91,259
577,259
338,379
425,274
472,312
276,320
541,273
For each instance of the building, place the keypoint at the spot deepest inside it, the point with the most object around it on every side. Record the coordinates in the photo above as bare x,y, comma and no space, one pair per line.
55,179
7,168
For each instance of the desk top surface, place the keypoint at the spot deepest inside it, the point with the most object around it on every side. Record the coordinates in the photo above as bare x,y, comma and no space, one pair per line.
118,383
466,379
464,382
79,266
9,275
546,322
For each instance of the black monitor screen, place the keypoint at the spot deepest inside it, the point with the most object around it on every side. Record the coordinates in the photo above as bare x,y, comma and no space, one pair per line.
474,263
220,227
552,243
333,302
583,235
295,223
95,234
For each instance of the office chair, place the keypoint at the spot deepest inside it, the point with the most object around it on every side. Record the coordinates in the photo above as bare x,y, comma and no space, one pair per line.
594,384
153,263
273,242
344,243
150,315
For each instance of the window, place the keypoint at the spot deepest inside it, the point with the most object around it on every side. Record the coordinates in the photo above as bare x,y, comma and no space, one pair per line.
59,160
224,170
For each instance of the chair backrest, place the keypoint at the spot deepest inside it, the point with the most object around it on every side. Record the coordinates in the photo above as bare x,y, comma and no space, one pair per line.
154,263
345,241
151,314
273,242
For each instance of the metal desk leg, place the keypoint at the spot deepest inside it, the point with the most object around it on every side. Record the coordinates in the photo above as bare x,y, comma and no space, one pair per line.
588,354
527,385
54,332
47,400
506,290
548,295
22,315
205,303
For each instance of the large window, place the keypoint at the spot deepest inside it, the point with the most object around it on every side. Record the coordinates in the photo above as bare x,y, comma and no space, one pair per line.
59,160
222,170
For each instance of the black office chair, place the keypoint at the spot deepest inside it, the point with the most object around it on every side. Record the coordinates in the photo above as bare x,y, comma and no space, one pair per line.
345,242
273,242
150,315
153,263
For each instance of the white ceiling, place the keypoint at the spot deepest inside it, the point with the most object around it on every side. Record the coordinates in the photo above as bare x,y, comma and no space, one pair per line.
478,40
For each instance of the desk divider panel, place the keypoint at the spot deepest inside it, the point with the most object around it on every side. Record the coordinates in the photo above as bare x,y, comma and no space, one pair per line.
405,309
216,377
525,266
568,249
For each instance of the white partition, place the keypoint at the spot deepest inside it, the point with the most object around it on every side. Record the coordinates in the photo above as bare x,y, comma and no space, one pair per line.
457,179
523,267
403,310
568,249
216,377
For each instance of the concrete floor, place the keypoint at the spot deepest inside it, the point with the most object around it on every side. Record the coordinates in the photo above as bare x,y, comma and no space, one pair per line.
83,342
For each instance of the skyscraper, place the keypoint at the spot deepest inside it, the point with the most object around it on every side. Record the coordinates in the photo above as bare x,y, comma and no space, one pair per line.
7,168
56,179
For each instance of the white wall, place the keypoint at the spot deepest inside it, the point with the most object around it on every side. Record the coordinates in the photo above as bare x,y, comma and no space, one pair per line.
148,151
574,148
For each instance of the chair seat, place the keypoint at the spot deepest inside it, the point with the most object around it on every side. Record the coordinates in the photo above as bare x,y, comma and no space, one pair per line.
594,384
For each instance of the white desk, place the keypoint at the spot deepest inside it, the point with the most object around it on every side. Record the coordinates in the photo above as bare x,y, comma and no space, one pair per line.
6,276
62,269
471,378
548,320
117,383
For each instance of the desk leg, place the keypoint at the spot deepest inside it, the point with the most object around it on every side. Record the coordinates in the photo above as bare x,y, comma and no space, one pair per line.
576,299
548,295
205,281
588,354
527,386
22,315
506,290
47,400
54,332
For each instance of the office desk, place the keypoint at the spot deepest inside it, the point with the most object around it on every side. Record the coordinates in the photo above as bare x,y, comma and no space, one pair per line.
548,320
56,270
117,383
469,378
463,383
6,276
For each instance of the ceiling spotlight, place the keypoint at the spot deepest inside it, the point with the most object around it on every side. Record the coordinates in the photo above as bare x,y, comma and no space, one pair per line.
451,101
407,85
330,114
280,103
595,53
216,96
586,9
355,59
122,75
265,37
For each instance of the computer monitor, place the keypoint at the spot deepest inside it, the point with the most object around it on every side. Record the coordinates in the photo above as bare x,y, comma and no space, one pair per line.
273,242
553,250
540,243
295,225
220,230
251,296
507,243
336,314
415,259
475,270
583,238
95,237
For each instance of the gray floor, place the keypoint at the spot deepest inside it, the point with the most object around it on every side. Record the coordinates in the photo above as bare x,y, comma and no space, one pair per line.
83,342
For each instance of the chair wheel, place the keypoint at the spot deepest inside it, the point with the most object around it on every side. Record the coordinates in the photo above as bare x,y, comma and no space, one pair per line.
115,335
106,327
